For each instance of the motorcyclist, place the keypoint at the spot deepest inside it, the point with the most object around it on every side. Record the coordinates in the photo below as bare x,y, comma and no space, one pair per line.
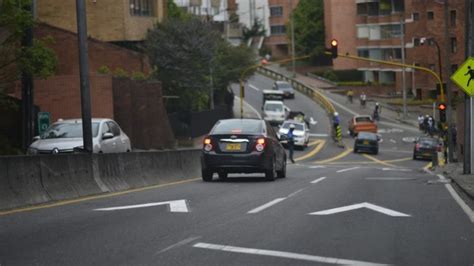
377,111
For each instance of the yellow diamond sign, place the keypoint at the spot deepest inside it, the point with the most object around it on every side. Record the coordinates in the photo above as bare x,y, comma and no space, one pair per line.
464,76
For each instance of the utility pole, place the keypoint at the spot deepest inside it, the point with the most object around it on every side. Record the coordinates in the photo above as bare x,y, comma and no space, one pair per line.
27,86
402,43
446,88
468,159
84,75
292,25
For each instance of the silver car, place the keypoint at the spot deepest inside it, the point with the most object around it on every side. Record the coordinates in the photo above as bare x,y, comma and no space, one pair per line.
301,132
65,135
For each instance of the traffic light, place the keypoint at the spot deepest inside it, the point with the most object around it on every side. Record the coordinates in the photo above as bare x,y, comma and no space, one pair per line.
442,112
334,48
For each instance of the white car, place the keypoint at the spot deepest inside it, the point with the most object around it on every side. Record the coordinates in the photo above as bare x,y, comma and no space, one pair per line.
301,132
65,135
275,112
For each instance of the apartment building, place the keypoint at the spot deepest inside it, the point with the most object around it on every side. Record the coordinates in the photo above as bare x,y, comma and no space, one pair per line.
379,29
278,40
107,20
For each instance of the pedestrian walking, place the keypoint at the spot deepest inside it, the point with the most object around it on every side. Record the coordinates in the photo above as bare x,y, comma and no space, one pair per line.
377,110
291,141
363,99
421,119
350,95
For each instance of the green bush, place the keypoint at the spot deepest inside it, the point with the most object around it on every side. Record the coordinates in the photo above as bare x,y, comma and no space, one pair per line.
120,73
343,75
104,70
137,75
330,75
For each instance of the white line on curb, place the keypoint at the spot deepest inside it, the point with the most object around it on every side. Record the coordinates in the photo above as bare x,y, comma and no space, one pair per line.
282,254
347,169
318,180
457,198
266,205
251,108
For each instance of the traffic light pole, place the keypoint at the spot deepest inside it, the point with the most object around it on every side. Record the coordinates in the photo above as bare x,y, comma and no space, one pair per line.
468,159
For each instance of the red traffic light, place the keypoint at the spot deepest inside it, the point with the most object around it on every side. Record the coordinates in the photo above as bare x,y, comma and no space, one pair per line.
334,42
442,106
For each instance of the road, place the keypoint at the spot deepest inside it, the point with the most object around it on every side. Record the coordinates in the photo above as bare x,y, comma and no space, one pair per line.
335,207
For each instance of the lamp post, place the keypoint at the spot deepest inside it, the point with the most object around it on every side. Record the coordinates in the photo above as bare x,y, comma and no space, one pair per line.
432,40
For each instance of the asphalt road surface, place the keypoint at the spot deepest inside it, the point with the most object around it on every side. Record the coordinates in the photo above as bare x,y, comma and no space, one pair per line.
334,207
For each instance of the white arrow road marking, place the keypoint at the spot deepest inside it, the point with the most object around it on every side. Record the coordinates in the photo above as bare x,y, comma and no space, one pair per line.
174,205
266,205
360,206
318,180
312,121
283,254
347,169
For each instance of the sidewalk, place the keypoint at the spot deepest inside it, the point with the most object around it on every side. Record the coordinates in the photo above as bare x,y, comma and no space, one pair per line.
388,112
454,171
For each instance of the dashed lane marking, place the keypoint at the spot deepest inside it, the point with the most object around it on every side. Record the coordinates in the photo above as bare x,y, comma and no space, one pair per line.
391,178
283,254
253,87
318,180
347,169
266,205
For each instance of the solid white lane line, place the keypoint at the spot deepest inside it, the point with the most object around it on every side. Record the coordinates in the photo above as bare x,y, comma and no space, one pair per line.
294,193
253,87
390,178
175,206
347,169
319,135
179,244
318,180
282,254
266,205
457,198
396,169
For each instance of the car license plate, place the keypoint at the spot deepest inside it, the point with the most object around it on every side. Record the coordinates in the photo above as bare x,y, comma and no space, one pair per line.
233,147
366,142
426,154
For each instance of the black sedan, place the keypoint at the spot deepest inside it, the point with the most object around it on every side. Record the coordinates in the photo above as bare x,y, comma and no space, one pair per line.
242,146
367,142
425,147
285,87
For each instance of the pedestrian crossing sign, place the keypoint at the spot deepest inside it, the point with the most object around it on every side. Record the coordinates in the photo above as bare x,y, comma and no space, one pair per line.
464,76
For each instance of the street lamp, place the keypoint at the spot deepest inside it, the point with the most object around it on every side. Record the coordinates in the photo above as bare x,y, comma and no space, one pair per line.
432,40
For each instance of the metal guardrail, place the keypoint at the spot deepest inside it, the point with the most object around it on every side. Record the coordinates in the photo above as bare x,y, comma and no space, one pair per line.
312,93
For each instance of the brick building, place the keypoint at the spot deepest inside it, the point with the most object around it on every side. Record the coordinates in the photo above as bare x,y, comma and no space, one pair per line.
374,29
278,41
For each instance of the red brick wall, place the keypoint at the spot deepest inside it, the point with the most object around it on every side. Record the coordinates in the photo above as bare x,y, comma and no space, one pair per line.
100,53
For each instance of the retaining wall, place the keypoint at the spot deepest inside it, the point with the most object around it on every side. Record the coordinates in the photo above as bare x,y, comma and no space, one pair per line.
30,180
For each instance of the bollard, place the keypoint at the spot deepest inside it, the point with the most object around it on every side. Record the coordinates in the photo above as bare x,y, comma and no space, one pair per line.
434,158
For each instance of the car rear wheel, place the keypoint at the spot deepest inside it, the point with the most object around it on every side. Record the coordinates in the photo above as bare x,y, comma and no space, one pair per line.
270,174
282,172
206,175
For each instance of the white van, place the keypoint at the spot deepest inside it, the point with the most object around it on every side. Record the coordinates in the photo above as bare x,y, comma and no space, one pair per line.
275,112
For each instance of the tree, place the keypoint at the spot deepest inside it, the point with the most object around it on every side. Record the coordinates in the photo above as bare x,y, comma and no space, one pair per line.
174,12
308,19
257,29
37,60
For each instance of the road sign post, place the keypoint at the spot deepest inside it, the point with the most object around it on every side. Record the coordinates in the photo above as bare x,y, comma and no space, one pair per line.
44,120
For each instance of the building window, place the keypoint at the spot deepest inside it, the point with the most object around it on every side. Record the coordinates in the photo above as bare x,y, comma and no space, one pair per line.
453,18
141,7
416,16
416,41
362,9
278,30
454,68
276,11
430,15
454,45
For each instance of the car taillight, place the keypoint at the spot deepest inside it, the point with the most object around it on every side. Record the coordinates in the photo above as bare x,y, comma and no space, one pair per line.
439,148
417,146
260,144
207,144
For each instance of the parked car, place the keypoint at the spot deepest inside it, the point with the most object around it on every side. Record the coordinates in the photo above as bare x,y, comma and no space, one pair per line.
285,87
425,146
301,132
242,146
361,123
367,142
65,136
275,112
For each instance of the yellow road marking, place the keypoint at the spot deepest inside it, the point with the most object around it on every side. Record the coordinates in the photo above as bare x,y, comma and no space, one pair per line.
315,142
108,195
319,146
378,161
337,157
428,166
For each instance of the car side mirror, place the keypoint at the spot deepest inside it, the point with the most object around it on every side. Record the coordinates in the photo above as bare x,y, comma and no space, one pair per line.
35,138
107,135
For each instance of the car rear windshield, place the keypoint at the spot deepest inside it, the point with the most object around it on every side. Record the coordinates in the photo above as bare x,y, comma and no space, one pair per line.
299,127
431,142
369,136
237,126
274,107
68,130
363,119
283,86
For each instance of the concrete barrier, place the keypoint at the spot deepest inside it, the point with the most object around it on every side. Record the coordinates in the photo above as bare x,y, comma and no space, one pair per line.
30,180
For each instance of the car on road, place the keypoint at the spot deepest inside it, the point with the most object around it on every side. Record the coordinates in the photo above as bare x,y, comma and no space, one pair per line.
361,123
275,112
425,146
272,95
301,132
366,142
242,146
285,87
65,136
